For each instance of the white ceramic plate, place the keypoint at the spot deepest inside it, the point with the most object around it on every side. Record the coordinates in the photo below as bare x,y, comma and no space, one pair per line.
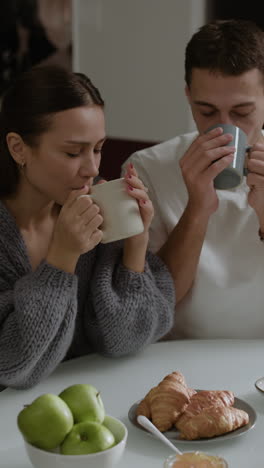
173,434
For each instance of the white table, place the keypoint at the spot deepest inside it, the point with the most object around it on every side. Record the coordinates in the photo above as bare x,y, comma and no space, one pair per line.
208,364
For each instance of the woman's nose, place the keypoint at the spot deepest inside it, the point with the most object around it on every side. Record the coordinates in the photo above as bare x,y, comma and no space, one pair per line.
89,167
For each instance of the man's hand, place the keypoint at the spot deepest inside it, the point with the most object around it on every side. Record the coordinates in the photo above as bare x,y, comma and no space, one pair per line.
255,180
203,161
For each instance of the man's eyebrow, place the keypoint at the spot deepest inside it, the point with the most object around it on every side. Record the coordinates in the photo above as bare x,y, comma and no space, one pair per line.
204,103
241,104
79,142
245,104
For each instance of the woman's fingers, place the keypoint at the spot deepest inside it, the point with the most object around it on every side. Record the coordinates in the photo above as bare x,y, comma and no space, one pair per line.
101,181
78,223
146,212
133,182
130,169
75,195
92,218
96,237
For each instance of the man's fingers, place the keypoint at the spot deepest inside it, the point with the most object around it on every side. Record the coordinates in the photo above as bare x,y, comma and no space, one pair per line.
213,139
219,165
207,160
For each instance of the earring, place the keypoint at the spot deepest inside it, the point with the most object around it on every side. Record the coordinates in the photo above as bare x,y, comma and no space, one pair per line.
22,165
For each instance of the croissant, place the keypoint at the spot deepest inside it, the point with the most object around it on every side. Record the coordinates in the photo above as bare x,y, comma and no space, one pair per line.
203,400
164,403
212,422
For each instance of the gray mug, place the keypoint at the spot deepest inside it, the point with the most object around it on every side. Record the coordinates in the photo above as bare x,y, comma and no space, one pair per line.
232,175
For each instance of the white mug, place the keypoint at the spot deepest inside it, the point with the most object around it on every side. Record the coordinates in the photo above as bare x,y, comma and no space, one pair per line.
120,212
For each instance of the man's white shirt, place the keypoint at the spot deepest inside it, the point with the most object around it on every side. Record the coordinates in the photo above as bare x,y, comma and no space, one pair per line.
227,297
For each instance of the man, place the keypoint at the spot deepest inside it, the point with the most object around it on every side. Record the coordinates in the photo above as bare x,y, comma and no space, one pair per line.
211,239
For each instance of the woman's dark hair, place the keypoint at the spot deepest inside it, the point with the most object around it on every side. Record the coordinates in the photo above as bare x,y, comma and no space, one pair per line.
28,106
228,47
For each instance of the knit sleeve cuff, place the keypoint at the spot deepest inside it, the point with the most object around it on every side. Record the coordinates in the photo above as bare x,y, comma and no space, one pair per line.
53,275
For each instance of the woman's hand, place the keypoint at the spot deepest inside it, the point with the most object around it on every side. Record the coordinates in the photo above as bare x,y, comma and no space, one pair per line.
135,247
137,190
76,230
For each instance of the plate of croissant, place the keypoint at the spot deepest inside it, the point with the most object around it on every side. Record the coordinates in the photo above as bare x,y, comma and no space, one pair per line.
185,414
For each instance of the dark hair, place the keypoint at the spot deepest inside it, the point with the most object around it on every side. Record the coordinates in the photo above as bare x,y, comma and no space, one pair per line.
27,108
228,47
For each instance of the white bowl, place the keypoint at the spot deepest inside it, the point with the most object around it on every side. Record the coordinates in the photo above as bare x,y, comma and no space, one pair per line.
106,459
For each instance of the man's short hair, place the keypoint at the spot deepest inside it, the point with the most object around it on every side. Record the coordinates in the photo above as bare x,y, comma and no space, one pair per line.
227,47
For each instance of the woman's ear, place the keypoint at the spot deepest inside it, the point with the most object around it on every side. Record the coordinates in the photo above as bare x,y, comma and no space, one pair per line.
16,147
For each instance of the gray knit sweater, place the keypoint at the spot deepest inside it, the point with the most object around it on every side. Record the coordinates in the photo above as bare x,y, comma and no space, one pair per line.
48,315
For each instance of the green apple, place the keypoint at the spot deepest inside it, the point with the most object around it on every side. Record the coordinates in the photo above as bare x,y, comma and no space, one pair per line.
85,403
46,421
87,437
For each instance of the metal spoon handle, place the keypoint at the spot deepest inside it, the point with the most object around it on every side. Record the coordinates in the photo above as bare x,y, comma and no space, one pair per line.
147,424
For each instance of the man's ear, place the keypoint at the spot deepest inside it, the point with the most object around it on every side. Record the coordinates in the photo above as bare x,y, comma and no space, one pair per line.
17,148
187,93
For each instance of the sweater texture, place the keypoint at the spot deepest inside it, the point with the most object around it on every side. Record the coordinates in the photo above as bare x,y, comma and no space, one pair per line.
48,315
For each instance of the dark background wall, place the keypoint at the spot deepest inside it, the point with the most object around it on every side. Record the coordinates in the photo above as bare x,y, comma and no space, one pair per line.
225,9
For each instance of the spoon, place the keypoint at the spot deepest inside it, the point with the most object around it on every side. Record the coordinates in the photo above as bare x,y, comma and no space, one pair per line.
259,384
147,424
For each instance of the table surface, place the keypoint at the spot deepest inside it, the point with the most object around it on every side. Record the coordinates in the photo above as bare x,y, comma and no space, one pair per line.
207,364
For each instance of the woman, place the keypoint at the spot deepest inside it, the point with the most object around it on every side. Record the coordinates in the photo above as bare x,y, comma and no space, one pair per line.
62,293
